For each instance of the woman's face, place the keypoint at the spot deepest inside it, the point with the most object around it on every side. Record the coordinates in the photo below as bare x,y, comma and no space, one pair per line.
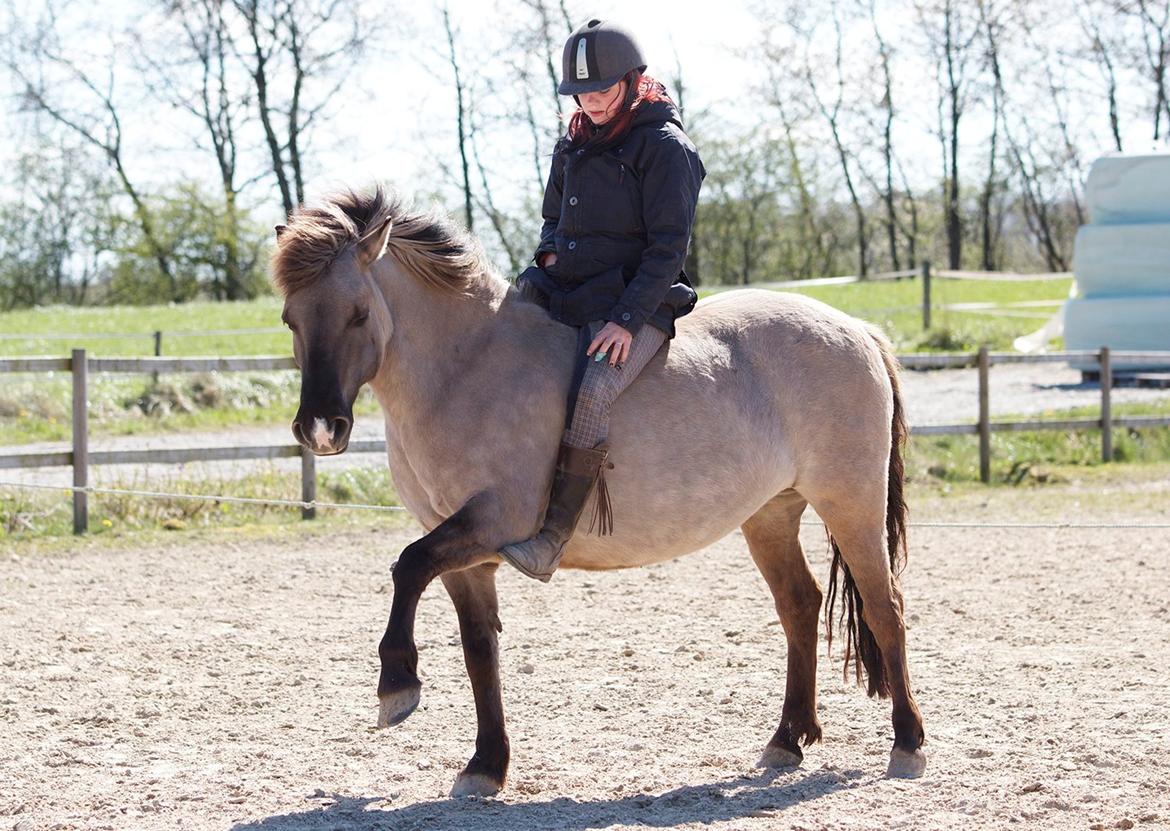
604,105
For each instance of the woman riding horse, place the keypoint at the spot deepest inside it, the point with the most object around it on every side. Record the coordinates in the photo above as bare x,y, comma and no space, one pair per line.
618,211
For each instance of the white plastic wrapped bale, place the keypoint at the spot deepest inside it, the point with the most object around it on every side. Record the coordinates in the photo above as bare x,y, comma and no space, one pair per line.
1138,324
1122,260
1113,260
1129,189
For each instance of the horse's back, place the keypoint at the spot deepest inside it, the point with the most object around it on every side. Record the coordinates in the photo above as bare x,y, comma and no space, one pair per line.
729,414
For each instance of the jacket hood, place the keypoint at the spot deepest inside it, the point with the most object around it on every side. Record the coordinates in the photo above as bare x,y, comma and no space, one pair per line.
657,112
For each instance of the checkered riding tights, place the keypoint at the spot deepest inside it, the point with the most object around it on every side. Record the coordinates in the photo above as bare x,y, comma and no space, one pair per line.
602,384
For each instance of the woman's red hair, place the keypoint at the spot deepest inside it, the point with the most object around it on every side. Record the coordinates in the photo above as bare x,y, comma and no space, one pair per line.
582,132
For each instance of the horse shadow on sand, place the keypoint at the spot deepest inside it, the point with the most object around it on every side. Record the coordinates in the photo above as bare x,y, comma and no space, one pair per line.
742,797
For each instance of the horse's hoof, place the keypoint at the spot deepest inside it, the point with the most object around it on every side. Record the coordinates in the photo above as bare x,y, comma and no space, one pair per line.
779,757
475,784
906,764
394,707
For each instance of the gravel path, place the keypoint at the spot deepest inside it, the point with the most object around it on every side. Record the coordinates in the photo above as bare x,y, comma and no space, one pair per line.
211,683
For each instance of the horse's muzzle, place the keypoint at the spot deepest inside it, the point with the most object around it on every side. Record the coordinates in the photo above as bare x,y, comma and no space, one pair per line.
324,437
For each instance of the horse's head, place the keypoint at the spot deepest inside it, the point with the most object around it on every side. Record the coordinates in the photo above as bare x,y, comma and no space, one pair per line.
339,320
340,314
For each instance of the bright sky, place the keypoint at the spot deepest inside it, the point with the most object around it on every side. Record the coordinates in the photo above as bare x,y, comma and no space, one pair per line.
421,95
398,115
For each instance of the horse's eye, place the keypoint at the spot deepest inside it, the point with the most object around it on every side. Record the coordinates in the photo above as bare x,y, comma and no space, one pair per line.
360,318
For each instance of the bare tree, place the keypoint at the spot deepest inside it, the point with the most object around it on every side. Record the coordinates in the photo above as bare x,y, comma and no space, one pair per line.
97,122
951,33
1102,51
887,129
548,43
461,117
832,112
1155,20
299,54
989,16
213,99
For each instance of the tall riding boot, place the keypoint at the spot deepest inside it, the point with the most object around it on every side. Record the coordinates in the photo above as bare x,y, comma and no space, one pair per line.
577,469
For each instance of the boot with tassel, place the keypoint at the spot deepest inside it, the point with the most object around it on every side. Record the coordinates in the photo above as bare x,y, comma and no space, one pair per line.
577,470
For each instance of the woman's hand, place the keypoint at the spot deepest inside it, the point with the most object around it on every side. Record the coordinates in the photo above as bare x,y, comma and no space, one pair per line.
614,342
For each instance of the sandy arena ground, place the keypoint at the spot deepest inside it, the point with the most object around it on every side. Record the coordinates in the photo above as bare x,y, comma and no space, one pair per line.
217,681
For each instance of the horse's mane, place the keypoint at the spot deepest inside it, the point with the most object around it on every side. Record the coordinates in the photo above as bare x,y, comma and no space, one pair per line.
427,244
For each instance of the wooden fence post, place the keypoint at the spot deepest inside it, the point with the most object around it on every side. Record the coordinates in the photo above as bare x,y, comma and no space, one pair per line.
308,482
984,360
157,352
79,367
925,295
1106,366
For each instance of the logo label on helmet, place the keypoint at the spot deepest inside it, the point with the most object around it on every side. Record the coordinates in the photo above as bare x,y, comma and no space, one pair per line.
582,64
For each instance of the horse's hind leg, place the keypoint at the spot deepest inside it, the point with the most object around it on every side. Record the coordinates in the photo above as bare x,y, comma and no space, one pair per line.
473,591
772,535
857,526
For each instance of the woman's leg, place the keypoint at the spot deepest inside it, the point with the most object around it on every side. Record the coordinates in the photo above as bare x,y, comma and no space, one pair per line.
602,385
582,458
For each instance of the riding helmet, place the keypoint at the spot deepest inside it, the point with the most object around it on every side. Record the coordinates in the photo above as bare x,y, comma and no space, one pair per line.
596,57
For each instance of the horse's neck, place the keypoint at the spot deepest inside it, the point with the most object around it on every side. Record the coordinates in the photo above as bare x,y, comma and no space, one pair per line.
436,333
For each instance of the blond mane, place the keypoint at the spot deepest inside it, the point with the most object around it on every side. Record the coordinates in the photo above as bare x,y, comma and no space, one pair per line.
427,244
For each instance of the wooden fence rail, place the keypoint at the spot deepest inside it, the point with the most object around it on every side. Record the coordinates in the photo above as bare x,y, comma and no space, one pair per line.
80,458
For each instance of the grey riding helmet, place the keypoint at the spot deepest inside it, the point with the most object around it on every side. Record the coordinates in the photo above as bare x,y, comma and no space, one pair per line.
596,57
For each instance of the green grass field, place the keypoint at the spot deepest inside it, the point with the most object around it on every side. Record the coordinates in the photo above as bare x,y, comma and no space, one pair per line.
896,306
893,305
90,328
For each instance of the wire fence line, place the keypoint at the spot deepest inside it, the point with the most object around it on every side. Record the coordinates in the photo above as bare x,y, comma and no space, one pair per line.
358,506
304,505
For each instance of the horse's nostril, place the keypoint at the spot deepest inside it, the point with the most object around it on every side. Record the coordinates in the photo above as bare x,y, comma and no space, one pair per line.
298,433
340,427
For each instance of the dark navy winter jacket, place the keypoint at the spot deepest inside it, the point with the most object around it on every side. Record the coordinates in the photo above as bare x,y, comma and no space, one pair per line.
626,210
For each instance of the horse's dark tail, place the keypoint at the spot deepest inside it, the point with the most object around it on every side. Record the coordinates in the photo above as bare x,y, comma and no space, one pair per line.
860,646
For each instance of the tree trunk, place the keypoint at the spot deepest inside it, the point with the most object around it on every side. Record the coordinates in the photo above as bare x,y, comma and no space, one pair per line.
460,119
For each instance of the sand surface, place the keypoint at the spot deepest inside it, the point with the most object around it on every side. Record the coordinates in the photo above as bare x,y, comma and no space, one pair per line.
214,681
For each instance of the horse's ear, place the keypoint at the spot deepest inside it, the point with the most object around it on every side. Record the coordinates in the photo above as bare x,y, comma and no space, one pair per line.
280,229
373,245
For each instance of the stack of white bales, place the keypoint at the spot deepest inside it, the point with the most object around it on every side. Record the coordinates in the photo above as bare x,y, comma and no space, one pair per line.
1122,260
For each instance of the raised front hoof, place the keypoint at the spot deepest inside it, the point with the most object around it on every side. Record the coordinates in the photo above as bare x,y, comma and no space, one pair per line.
394,707
780,757
476,784
906,764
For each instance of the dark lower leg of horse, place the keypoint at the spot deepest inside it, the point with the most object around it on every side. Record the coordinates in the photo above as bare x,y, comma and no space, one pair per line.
860,535
473,592
883,612
450,547
772,536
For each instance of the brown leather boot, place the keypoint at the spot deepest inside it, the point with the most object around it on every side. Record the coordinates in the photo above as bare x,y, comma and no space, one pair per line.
577,469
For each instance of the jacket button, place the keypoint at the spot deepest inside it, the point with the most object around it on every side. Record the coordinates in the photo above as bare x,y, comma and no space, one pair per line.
625,315
572,200
572,245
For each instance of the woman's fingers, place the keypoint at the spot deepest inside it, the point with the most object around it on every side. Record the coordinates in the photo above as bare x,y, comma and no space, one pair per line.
613,342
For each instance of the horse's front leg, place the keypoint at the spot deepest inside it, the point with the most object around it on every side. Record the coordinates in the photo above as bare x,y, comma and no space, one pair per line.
463,540
473,591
